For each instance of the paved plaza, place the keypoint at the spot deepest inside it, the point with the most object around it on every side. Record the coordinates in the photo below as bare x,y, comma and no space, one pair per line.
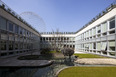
14,62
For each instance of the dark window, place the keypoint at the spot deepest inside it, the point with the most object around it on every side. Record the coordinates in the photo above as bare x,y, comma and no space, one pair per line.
16,45
99,31
16,29
10,53
94,45
111,32
10,27
20,30
41,38
2,23
10,45
112,24
3,54
3,45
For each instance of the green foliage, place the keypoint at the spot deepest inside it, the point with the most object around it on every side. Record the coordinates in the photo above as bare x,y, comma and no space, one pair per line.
45,50
88,72
67,52
88,56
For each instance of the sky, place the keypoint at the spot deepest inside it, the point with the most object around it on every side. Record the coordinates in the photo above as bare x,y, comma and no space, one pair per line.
65,15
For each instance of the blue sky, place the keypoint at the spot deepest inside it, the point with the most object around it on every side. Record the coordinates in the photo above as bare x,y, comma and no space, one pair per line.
65,15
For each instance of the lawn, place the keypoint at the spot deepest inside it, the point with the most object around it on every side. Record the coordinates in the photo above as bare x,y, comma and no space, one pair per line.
88,72
88,56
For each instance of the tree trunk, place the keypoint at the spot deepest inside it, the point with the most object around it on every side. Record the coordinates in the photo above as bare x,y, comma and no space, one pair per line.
70,58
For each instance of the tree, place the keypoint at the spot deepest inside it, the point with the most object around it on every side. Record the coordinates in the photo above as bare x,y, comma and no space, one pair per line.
67,52
57,40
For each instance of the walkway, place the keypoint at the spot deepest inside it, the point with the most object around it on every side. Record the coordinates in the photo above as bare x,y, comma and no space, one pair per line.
97,61
14,62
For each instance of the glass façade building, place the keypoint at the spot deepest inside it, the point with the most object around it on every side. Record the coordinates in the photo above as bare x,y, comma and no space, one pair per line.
96,37
16,36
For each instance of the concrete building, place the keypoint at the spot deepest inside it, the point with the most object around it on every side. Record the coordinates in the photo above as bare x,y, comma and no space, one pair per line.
16,36
97,37
59,40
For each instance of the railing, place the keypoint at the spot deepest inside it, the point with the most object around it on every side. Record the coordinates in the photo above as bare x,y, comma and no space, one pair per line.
9,10
108,9
57,33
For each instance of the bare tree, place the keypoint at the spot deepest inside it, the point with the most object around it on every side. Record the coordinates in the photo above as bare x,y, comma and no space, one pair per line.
57,40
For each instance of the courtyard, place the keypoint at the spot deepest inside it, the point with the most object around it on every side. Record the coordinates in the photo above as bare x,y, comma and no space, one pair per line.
13,67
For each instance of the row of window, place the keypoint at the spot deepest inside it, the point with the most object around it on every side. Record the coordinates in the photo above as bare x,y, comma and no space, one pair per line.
14,45
13,28
102,28
57,38
102,46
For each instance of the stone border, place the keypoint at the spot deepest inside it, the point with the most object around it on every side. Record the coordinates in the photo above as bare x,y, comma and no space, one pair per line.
26,66
62,69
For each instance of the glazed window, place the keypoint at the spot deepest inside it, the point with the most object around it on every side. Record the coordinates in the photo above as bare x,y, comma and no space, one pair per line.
2,23
112,24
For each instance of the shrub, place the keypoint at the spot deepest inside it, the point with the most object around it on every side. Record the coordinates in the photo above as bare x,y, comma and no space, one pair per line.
45,50
68,52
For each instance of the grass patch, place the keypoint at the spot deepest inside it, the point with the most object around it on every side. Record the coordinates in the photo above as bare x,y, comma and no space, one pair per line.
54,52
88,72
89,56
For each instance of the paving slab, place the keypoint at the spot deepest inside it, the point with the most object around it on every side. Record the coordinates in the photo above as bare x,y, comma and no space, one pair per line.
97,61
14,62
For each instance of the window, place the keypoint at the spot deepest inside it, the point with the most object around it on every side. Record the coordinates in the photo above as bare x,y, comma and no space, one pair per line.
46,38
90,46
11,37
104,27
2,23
16,45
112,32
103,47
10,45
112,24
16,29
24,32
90,32
4,36
94,31
94,45
112,45
10,27
98,46
3,45
20,31
99,29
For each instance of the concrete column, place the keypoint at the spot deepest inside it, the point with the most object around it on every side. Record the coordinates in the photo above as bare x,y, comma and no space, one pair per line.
107,38
0,42
115,36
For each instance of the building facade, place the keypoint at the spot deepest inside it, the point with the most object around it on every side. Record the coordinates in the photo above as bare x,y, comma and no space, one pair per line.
97,37
59,40
16,36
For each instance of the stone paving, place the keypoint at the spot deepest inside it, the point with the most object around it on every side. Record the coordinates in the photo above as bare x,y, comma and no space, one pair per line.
14,62
97,61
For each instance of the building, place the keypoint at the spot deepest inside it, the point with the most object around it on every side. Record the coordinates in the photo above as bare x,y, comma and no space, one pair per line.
97,37
58,39
16,36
